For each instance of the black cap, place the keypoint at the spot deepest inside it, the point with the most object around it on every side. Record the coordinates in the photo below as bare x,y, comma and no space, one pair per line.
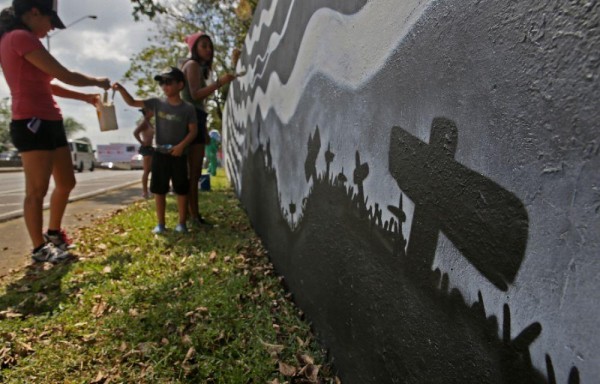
171,73
48,7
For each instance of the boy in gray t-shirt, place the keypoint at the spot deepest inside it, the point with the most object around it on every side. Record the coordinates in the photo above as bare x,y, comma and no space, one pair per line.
176,127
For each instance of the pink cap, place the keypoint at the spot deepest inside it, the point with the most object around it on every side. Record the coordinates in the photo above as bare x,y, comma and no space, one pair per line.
191,39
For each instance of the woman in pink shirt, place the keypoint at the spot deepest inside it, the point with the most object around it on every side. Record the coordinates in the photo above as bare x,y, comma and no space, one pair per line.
37,129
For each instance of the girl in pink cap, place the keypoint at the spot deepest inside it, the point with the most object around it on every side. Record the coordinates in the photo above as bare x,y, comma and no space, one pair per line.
199,85
37,128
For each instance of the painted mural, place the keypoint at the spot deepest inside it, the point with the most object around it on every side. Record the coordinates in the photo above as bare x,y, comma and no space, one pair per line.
425,176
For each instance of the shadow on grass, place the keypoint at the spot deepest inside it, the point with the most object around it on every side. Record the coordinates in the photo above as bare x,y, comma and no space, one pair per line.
37,292
196,307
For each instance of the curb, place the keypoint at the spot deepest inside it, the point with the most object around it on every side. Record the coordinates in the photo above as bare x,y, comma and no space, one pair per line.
10,169
19,213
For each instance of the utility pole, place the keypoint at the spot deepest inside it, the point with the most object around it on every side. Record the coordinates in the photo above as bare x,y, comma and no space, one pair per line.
48,36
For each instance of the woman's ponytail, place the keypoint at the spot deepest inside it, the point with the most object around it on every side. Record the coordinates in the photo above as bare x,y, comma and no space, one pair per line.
9,21
11,17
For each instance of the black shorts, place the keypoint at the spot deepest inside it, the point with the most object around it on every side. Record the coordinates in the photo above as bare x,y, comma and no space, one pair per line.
43,135
201,136
146,150
167,168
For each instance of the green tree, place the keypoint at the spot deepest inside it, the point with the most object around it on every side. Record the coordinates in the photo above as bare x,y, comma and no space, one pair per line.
226,21
72,126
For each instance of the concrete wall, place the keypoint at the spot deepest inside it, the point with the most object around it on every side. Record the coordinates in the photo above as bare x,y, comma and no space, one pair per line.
425,174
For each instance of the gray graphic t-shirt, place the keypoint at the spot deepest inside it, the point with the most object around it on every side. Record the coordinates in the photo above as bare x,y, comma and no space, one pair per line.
172,121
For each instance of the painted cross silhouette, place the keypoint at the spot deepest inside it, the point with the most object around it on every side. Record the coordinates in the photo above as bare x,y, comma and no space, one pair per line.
486,223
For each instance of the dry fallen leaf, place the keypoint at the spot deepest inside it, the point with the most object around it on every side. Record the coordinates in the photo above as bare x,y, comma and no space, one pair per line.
9,314
287,370
26,347
190,354
100,377
89,338
311,372
186,339
305,359
273,349
99,309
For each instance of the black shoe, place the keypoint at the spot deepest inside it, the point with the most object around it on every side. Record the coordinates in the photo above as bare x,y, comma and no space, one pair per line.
197,221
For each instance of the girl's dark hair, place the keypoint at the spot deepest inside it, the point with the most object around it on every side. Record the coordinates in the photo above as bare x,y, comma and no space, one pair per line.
206,67
10,18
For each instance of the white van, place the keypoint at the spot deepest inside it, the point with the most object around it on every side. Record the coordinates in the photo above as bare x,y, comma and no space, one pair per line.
82,155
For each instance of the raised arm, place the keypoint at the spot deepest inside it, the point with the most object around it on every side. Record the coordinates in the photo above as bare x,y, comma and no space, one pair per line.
127,97
43,60
193,73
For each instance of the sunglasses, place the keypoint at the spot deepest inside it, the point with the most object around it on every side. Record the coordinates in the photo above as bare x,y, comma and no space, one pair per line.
166,81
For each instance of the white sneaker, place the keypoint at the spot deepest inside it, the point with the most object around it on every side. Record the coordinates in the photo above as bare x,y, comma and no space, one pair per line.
181,228
50,253
159,229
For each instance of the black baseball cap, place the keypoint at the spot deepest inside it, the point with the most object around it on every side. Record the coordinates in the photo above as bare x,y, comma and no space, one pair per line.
171,73
48,7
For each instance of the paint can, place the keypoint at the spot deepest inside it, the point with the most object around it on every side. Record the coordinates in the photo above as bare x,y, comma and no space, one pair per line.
204,182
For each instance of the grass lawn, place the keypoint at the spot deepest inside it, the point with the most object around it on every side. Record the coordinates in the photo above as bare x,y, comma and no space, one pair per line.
205,307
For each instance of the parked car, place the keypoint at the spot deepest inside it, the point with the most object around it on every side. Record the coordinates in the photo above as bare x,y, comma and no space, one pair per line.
137,162
82,155
10,158
13,155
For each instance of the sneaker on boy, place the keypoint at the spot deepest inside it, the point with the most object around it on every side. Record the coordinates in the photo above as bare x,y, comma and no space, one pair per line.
59,239
159,229
181,228
48,252
199,221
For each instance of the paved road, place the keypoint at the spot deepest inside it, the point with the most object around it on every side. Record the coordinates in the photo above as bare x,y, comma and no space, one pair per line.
15,245
12,188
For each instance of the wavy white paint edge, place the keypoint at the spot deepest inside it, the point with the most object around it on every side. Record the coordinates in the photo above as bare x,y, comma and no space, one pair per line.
265,20
348,49
274,41
364,40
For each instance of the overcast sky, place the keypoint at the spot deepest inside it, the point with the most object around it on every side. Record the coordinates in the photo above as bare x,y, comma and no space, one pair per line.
101,47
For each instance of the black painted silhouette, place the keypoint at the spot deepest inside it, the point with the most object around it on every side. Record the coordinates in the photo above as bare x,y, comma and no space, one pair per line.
488,224
329,156
360,174
399,242
314,146
385,317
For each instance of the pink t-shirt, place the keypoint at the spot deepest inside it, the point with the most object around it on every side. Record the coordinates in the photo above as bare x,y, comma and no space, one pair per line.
30,88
